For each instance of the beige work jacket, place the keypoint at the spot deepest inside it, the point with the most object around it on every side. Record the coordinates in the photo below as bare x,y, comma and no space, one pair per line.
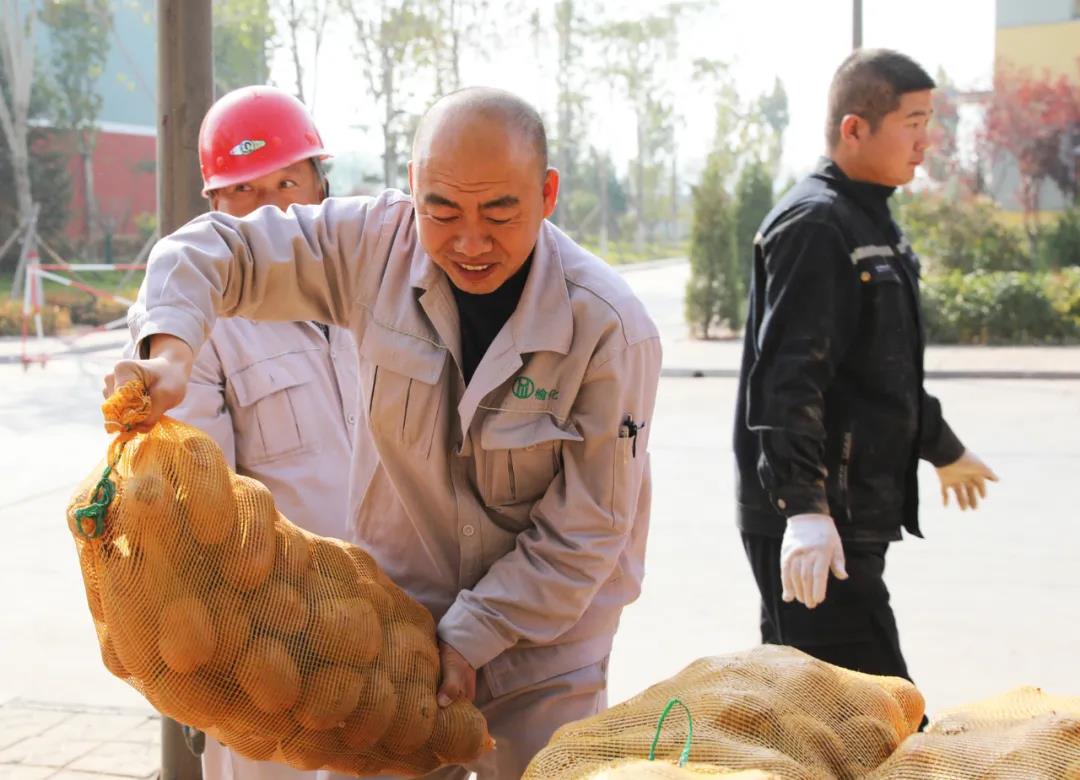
515,508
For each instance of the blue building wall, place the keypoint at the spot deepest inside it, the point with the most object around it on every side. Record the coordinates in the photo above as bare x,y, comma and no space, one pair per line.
1022,13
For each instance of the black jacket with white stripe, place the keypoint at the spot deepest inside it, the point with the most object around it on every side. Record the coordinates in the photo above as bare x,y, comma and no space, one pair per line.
831,415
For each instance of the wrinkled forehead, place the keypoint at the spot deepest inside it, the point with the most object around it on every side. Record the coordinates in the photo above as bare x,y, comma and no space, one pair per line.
474,151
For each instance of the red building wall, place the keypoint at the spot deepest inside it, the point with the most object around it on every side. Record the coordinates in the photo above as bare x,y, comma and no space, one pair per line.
124,183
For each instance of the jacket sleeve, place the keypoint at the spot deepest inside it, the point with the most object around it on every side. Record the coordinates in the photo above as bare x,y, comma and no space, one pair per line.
205,405
937,442
309,263
580,526
810,310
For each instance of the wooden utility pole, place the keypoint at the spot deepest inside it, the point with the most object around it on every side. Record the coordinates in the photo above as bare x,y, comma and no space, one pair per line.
185,90
856,24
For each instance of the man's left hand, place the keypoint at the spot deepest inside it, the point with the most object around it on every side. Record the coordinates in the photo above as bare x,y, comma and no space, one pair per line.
458,678
966,477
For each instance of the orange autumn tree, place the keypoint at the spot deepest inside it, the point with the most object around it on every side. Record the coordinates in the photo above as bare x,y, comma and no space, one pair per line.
1034,120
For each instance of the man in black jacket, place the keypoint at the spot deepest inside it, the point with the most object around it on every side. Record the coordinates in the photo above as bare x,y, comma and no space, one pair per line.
832,417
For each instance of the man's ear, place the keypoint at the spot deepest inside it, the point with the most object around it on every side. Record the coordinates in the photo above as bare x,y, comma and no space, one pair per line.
551,191
412,188
852,128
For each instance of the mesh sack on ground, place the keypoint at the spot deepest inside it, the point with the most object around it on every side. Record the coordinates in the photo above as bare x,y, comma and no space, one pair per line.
771,708
283,645
1022,735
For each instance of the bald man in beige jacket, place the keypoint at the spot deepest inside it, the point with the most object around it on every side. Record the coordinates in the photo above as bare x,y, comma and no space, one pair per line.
508,488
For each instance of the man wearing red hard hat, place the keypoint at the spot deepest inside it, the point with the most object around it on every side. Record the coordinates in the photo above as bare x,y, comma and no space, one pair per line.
280,398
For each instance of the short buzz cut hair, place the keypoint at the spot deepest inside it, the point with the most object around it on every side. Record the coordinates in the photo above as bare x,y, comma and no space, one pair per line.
870,83
496,104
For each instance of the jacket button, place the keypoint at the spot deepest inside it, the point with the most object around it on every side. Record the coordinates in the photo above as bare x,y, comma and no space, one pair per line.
782,503
468,530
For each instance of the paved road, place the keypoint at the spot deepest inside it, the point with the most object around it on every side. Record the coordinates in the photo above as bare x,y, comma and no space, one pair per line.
988,600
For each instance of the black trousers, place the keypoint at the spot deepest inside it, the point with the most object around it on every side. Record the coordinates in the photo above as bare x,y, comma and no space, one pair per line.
854,627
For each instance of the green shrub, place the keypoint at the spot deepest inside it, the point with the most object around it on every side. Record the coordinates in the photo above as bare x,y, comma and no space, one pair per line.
715,290
961,234
1063,288
95,311
1002,308
54,319
1059,245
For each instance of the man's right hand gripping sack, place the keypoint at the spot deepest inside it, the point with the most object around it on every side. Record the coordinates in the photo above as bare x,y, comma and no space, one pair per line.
283,645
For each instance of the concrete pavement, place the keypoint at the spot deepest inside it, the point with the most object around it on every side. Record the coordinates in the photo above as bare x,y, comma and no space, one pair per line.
986,602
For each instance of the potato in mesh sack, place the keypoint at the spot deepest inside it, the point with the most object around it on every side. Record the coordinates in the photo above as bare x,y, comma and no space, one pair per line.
283,645
774,709
1022,735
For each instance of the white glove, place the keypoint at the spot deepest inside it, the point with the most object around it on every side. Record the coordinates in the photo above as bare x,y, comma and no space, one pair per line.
810,549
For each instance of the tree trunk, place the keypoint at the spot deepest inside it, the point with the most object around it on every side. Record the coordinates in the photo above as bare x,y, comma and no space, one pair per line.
17,53
90,211
294,24
455,49
673,233
564,15
20,159
639,194
602,166
389,135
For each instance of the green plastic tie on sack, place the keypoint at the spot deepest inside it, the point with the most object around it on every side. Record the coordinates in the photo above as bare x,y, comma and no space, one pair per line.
97,508
685,755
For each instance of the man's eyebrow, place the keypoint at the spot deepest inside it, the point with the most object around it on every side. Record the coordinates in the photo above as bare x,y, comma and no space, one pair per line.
505,202
432,199
919,112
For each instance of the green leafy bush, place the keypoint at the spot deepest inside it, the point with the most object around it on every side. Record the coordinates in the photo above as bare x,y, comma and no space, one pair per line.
961,234
54,319
1009,307
1059,245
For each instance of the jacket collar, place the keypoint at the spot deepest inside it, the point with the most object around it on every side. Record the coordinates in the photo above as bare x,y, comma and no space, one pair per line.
543,320
872,197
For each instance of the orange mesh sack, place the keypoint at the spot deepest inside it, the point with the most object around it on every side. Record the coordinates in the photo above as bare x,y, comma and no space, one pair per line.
281,644
1022,735
772,708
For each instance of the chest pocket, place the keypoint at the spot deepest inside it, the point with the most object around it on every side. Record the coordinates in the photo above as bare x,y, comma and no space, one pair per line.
521,454
886,301
878,270
399,378
273,394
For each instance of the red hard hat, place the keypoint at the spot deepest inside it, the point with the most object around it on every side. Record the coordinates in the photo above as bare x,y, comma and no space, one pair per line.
253,131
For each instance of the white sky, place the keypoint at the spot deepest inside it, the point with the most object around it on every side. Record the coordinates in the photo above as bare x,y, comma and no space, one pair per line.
801,41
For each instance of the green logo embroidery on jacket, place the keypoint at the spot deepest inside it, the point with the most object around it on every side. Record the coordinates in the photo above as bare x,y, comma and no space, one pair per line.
526,388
